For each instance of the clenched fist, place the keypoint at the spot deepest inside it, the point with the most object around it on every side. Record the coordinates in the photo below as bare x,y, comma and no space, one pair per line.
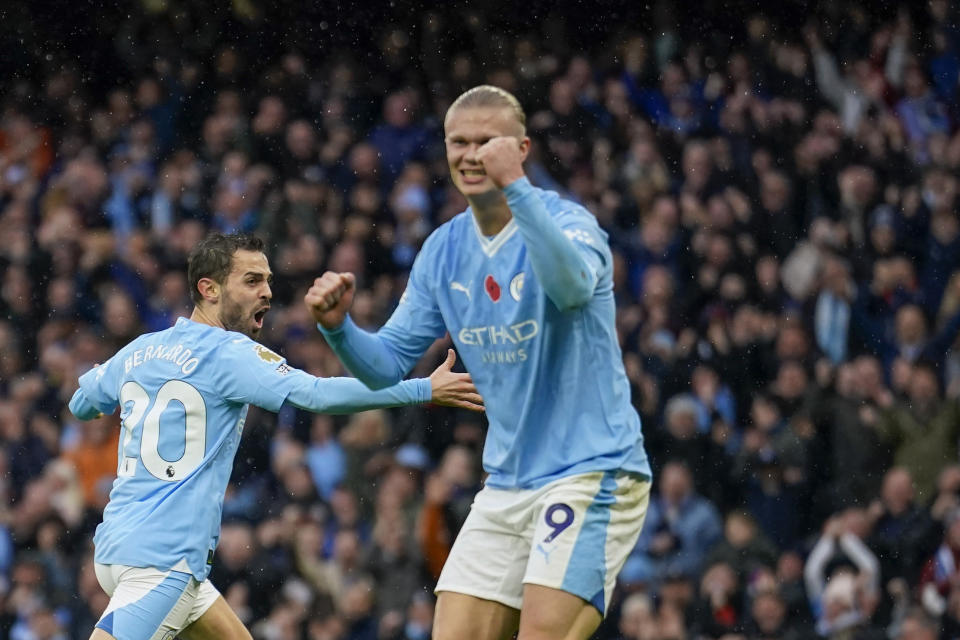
330,298
502,160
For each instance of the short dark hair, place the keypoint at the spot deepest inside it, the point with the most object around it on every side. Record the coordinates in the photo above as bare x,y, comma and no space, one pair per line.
213,258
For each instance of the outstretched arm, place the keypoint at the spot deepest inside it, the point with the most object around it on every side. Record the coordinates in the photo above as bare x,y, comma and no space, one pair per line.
270,382
348,395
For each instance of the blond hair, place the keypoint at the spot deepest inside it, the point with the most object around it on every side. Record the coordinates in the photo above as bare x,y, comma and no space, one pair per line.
487,95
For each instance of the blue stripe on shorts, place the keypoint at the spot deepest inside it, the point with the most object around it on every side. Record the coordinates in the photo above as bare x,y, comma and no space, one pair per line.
140,620
587,571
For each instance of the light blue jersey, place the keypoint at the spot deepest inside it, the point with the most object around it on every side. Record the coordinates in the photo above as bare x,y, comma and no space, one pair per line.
531,312
183,395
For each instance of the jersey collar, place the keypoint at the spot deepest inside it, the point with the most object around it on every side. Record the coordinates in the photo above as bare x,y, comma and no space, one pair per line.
490,246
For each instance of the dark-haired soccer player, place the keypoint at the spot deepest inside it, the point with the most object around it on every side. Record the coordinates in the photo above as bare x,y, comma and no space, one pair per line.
183,395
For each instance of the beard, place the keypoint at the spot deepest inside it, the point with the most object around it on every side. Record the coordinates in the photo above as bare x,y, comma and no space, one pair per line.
235,318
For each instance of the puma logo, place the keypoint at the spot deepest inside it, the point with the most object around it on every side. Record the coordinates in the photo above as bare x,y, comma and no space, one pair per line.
546,553
456,286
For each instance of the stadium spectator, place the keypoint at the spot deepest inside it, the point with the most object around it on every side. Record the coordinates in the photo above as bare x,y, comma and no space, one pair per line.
938,578
637,618
844,599
902,532
681,528
743,547
921,430
836,121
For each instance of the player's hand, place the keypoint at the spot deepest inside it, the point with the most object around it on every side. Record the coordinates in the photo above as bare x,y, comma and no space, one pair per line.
502,160
454,389
330,298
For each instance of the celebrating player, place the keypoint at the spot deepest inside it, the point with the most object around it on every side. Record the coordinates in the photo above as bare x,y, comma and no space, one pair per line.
183,395
522,281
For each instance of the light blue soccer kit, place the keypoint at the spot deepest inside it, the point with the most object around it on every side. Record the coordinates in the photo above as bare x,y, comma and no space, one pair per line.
183,395
531,312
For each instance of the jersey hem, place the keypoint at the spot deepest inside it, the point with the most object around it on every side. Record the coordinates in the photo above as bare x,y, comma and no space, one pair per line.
181,565
538,483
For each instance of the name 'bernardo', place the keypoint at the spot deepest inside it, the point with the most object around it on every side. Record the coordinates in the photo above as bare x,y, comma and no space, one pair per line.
176,354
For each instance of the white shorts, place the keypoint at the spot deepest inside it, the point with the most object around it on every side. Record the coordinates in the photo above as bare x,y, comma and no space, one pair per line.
149,604
573,534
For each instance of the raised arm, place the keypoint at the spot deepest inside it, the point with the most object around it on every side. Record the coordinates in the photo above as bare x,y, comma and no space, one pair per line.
372,358
940,343
383,358
828,78
866,561
567,261
814,572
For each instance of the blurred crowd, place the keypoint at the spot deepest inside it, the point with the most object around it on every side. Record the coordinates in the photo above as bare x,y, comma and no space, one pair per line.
781,195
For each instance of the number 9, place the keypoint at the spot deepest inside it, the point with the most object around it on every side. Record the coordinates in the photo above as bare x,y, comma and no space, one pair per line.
560,524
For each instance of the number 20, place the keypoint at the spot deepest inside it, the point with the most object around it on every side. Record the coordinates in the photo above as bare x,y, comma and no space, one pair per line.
195,433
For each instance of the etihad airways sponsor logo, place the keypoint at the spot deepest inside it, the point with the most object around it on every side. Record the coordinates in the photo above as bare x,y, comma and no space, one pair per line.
499,334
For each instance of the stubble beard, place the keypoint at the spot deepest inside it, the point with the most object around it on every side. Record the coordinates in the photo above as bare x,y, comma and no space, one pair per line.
233,317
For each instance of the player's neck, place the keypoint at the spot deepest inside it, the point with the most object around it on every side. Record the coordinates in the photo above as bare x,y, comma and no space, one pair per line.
206,315
492,213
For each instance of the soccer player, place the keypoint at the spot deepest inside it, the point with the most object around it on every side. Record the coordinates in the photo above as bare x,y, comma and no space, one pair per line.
522,280
183,395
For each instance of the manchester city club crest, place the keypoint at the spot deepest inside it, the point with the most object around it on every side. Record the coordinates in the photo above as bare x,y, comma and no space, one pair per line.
516,286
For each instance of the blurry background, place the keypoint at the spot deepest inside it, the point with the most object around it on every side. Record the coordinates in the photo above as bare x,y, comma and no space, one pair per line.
780,189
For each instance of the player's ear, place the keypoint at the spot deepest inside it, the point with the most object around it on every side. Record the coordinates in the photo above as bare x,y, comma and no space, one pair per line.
209,289
524,149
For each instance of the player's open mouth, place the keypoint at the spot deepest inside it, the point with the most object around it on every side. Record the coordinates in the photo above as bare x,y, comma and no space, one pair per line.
473,176
258,316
